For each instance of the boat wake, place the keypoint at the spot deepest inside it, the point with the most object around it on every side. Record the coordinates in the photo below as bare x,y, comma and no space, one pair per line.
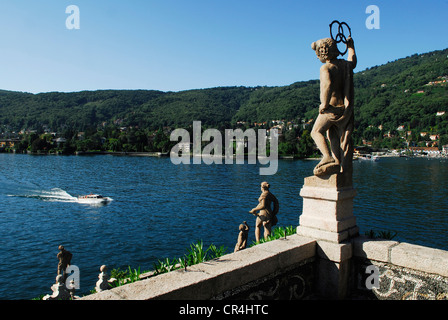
58,195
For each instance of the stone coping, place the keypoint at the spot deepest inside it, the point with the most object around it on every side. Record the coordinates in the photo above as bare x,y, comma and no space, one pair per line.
209,279
416,257
212,278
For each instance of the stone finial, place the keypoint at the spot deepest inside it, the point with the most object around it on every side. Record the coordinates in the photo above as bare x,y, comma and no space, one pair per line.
104,283
60,291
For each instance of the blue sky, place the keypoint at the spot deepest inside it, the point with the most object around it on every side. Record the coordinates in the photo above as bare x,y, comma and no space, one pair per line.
174,45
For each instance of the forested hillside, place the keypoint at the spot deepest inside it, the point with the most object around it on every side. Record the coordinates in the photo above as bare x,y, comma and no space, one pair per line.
406,93
76,110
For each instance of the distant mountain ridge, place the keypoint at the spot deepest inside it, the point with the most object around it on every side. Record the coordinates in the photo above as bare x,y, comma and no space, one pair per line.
395,94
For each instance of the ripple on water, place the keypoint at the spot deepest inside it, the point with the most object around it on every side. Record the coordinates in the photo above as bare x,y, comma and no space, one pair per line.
159,209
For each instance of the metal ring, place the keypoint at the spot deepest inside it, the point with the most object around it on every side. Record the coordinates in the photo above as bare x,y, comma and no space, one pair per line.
331,28
340,37
341,30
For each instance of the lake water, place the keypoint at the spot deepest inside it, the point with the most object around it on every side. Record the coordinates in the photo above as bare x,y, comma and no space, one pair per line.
159,209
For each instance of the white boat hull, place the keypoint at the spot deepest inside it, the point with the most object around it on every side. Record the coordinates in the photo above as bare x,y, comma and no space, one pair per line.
369,158
94,199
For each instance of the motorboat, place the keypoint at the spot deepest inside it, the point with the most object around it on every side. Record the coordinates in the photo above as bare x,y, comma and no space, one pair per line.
368,157
94,199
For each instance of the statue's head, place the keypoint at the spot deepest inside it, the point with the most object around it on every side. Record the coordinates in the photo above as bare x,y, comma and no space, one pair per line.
326,49
265,185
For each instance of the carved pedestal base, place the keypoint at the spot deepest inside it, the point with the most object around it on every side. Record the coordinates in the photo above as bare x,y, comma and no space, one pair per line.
328,217
328,208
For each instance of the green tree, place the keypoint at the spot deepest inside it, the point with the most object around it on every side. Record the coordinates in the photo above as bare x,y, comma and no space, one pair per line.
306,147
113,144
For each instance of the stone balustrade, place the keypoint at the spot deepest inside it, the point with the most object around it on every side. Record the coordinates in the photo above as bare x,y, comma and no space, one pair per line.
288,269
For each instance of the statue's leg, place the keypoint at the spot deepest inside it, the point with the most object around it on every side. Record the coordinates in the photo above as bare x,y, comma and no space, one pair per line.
258,225
334,135
267,229
320,128
347,147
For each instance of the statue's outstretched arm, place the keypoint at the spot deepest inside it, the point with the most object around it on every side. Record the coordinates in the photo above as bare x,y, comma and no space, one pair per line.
351,52
260,206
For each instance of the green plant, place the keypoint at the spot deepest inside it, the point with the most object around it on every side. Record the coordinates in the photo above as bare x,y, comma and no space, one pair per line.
134,275
117,273
125,276
216,252
277,233
386,235
195,254
165,265
370,234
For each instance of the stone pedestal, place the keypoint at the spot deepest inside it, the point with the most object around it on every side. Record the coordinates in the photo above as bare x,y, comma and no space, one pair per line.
328,208
327,216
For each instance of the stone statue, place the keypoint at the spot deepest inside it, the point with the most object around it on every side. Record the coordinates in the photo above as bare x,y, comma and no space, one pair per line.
335,117
65,258
266,216
242,237
60,291
104,283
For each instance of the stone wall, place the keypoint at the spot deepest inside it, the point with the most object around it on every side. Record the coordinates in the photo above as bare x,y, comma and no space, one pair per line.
406,271
280,269
288,269
293,283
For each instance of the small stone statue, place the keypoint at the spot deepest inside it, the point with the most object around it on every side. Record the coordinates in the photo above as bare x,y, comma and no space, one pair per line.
335,118
60,291
266,216
65,258
104,283
242,237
